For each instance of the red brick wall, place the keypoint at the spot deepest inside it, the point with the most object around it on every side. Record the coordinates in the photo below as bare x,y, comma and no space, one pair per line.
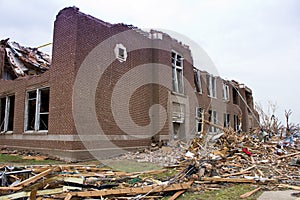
75,35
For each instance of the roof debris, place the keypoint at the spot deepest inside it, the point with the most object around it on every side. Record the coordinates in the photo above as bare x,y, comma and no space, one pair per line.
18,61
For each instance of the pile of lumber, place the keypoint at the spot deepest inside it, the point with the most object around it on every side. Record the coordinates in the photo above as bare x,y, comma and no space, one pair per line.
82,181
208,163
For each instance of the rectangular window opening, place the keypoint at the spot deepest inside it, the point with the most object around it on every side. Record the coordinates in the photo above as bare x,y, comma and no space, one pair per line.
197,80
211,85
226,120
177,72
225,92
37,110
234,96
236,123
213,119
199,119
7,106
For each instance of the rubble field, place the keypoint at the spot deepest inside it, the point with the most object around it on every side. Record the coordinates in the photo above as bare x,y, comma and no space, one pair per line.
208,162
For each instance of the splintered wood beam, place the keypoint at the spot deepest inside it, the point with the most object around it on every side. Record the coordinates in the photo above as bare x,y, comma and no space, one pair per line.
35,178
176,195
134,191
229,180
289,186
68,197
289,155
245,171
28,193
248,194
10,188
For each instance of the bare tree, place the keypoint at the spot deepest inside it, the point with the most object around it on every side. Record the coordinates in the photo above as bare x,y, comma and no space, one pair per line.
268,120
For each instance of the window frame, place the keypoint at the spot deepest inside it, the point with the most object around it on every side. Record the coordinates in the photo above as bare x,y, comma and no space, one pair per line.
226,92
197,80
211,82
213,118
38,112
7,113
199,119
175,82
236,123
123,57
226,120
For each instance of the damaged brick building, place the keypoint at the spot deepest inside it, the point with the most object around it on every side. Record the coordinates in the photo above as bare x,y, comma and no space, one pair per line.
37,94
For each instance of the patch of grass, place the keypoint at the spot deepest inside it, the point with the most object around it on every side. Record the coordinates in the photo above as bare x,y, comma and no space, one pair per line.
130,165
231,192
6,158
16,159
165,175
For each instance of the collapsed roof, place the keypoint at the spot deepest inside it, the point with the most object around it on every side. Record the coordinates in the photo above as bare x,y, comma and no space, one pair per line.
18,61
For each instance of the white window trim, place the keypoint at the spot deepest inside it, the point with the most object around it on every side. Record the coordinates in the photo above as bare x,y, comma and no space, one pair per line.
237,124
174,71
212,81
214,120
227,122
226,92
37,111
6,114
117,52
198,118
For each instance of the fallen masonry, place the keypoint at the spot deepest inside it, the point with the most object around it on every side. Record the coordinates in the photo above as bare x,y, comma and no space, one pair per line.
201,165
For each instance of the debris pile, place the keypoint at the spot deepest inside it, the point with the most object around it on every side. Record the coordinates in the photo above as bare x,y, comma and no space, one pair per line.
81,181
246,157
164,156
18,61
208,162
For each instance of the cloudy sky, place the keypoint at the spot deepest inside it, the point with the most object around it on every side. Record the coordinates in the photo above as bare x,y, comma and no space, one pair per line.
254,42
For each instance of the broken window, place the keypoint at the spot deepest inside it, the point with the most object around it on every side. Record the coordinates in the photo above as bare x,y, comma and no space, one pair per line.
197,79
177,113
225,92
176,130
177,72
236,123
7,106
211,85
213,119
249,99
199,119
234,95
226,120
37,110
120,52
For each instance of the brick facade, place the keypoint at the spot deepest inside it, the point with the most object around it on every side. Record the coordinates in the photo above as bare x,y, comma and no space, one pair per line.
75,36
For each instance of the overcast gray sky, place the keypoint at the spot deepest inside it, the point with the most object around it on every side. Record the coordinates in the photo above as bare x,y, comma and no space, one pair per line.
254,42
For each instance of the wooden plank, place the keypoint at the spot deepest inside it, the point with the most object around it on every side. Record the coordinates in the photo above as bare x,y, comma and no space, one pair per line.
133,191
248,194
289,186
34,178
33,195
10,188
245,171
229,180
68,197
289,155
27,194
176,195
236,173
